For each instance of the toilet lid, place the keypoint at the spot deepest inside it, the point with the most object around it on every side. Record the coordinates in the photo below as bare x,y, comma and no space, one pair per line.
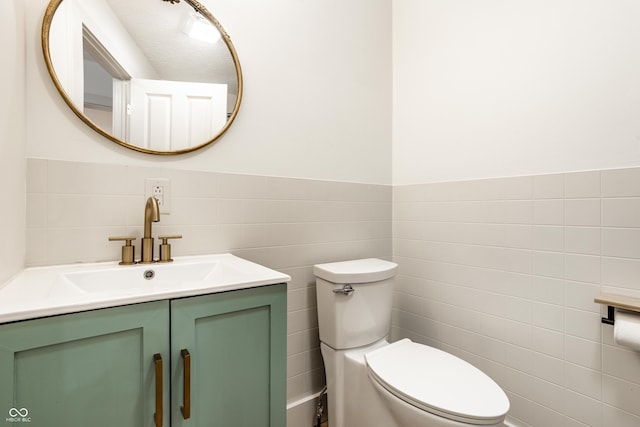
438,382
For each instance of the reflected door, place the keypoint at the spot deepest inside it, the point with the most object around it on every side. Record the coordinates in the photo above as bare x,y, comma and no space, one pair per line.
172,116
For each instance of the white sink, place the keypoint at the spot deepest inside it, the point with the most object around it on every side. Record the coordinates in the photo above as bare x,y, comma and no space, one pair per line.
143,277
44,291
184,273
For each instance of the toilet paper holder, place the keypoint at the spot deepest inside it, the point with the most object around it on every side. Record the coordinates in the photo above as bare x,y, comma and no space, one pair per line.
613,301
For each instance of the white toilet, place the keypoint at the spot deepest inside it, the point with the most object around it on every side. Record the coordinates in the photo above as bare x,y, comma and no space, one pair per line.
373,383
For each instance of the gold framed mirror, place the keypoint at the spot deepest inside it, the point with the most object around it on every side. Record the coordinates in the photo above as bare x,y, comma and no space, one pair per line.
156,76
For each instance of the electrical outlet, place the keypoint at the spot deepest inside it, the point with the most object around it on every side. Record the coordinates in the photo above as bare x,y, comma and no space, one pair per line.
157,191
160,188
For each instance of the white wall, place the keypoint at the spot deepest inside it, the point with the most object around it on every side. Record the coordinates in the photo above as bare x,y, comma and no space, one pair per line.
317,100
500,88
12,118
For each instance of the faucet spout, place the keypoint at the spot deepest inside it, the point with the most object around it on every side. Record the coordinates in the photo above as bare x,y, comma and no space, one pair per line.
151,214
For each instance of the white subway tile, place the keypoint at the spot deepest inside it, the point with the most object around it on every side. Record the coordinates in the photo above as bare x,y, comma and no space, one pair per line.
548,238
583,408
36,242
548,212
584,380
513,212
621,272
582,185
621,394
518,382
582,240
549,316
192,211
582,268
621,182
548,264
191,184
518,333
621,242
37,176
519,358
580,295
543,416
548,368
232,186
548,342
621,212
548,289
621,363
72,211
548,394
519,309
36,210
583,324
582,212
295,365
612,416
86,178
517,188
548,186
583,352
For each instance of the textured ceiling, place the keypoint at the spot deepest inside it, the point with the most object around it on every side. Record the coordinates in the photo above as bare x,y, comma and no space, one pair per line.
157,25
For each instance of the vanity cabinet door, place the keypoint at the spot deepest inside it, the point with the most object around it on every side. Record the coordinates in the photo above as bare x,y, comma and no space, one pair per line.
92,368
236,344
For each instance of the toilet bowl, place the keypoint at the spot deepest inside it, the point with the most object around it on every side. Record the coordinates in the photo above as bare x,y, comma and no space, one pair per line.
402,384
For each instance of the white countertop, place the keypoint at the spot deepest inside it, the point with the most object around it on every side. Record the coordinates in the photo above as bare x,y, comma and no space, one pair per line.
46,291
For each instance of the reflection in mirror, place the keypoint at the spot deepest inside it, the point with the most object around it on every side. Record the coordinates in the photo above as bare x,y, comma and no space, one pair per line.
157,76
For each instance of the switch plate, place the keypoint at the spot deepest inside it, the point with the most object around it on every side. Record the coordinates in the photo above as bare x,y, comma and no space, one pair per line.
160,188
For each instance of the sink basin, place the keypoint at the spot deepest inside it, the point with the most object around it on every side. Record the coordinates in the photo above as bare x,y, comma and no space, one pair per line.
46,291
146,277
215,271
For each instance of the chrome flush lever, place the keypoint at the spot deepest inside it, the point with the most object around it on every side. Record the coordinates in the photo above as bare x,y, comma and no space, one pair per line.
346,290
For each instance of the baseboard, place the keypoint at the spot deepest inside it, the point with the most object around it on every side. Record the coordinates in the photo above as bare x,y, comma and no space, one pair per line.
302,412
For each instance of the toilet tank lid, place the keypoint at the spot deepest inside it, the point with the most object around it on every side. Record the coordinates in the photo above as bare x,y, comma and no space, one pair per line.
356,271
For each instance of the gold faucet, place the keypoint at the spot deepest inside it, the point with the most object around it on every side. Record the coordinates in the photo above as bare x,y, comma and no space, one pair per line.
151,214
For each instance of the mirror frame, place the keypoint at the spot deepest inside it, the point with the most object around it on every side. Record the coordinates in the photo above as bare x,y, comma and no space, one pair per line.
46,28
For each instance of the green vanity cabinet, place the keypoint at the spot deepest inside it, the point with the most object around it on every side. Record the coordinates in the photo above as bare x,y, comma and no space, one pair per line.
237,349
83,369
220,360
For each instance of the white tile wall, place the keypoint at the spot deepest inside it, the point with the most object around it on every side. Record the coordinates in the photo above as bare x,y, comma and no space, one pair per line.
503,273
285,224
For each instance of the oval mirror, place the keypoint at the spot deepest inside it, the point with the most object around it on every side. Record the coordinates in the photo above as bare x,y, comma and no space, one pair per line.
156,76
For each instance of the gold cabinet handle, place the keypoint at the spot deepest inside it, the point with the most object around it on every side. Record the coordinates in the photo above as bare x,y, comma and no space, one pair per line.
186,390
157,360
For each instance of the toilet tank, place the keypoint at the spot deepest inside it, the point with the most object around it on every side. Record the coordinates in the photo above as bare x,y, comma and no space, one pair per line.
347,321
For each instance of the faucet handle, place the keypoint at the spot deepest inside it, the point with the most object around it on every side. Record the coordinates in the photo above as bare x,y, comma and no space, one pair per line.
165,247
128,250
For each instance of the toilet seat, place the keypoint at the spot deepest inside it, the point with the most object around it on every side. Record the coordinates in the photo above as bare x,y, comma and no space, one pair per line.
437,382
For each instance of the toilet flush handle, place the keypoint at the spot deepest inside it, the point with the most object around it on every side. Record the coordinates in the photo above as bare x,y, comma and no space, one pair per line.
345,290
